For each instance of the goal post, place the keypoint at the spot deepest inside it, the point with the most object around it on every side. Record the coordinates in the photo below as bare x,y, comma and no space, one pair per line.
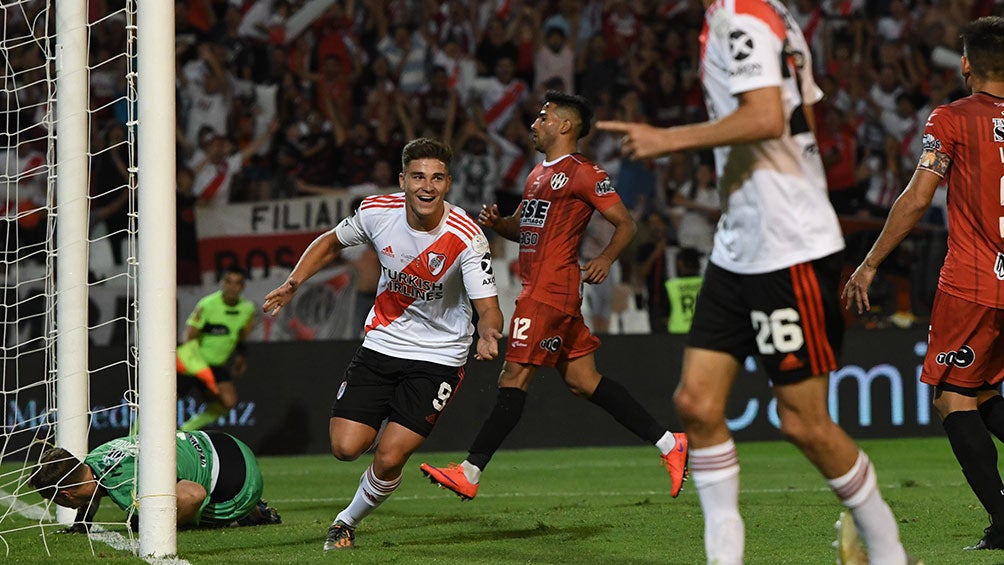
71,179
157,322
88,321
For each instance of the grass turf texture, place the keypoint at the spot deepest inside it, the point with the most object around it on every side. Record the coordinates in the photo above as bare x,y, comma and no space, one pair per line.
600,505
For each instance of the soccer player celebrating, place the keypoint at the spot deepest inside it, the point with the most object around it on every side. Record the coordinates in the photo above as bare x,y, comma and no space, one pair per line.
434,264
547,327
219,483
963,145
771,287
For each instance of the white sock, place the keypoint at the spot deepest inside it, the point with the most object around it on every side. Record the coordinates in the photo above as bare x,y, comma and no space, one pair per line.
858,491
715,473
666,443
370,494
472,472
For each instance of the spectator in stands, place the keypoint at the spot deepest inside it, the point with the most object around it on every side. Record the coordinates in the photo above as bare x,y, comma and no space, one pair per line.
334,92
436,107
110,186
683,289
457,64
406,51
186,241
696,209
494,46
358,148
652,262
555,58
497,99
476,173
598,298
594,67
621,26
206,94
216,164
838,146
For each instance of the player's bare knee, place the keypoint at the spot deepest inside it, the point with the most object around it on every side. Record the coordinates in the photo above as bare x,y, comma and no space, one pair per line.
806,434
690,407
345,452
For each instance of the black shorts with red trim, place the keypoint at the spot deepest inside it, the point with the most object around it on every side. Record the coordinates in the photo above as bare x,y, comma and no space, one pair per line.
789,318
410,392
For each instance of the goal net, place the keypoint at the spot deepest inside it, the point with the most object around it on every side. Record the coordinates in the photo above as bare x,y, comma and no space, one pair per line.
70,344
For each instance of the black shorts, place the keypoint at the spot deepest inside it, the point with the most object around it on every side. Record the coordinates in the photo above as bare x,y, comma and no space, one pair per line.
411,393
187,383
789,318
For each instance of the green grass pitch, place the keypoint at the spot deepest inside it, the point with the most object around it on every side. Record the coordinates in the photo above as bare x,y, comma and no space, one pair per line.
599,505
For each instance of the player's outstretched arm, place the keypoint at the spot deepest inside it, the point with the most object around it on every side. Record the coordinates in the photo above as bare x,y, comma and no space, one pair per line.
321,252
904,215
489,327
760,116
506,226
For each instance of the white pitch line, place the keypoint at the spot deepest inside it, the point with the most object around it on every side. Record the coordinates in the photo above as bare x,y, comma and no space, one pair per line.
114,540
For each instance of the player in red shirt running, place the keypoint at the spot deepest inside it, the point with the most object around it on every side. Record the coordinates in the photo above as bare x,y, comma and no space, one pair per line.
547,327
963,144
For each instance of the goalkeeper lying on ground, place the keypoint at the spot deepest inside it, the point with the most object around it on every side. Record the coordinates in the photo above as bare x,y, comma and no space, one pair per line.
232,499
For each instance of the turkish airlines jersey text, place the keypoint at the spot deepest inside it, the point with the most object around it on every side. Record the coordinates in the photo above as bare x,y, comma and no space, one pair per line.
964,143
422,309
776,212
558,199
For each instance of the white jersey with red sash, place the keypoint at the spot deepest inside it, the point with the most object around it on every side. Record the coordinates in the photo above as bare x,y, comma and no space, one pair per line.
427,279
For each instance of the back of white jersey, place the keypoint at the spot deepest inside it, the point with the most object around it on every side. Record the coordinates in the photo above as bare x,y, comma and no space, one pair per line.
427,279
776,212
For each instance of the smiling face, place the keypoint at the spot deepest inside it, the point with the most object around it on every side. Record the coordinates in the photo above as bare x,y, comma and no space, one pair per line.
425,183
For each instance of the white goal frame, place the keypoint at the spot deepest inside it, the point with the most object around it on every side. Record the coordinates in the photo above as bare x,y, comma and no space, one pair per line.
156,319
157,292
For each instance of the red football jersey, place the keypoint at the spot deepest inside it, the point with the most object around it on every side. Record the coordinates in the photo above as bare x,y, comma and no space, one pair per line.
558,199
969,134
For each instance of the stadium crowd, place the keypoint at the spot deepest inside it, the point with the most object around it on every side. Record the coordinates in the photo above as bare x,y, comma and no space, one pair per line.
278,99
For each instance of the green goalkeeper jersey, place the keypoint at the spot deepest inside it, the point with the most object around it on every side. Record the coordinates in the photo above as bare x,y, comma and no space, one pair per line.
114,466
220,325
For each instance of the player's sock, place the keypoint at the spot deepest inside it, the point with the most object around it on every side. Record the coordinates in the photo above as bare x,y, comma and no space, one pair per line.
715,473
471,472
370,494
858,491
992,413
504,417
618,402
666,443
212,413
977,454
